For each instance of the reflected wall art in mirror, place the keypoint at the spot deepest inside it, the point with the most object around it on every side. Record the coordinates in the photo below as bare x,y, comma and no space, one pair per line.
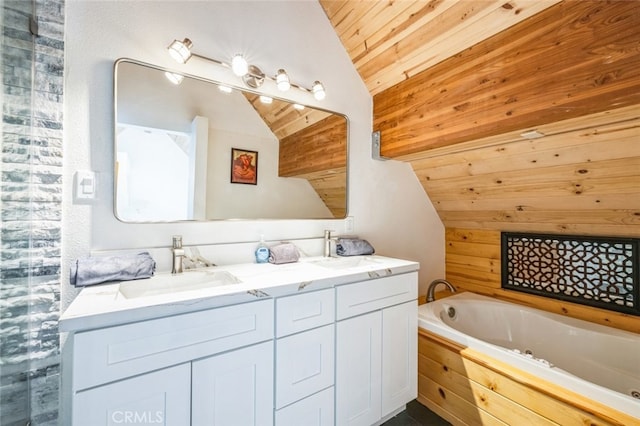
174,136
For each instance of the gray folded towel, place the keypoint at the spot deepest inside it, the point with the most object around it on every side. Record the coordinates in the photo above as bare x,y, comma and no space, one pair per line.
95,270
353,247
283,253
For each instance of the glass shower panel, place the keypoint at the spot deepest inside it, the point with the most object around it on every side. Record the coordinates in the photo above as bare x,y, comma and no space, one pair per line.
30,206
15,333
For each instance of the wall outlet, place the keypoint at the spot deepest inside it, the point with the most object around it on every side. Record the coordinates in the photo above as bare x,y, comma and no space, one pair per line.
348,224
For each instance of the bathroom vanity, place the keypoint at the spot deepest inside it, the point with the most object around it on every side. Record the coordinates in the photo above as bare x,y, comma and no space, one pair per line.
320,342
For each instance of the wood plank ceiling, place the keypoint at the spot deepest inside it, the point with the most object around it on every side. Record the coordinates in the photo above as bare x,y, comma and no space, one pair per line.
584,178
391,41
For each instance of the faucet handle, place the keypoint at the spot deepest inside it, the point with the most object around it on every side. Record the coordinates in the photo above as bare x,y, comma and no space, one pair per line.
177,241
196,257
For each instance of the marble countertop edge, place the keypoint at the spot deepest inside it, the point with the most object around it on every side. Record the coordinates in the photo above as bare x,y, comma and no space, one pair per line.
104,305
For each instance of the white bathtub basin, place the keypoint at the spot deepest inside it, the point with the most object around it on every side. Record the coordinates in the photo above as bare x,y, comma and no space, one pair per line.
171,283
593,360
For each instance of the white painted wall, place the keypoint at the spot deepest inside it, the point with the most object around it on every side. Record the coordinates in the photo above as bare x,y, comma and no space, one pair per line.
386,200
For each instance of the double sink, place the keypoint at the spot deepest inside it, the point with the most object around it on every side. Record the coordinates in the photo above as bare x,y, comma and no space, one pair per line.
197,279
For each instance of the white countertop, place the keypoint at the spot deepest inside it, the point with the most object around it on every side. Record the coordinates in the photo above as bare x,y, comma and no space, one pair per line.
105,305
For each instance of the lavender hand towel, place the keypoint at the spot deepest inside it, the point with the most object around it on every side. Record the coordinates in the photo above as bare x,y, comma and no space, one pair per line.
100,269
283,253
353,247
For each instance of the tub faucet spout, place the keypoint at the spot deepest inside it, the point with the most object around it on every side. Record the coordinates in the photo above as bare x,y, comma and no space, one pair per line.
432,288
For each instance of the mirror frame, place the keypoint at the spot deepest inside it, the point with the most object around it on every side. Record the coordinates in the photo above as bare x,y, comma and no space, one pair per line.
234,87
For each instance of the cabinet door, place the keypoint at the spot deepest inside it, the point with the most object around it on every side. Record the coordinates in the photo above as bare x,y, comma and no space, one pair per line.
159,398
399,356
315,410
234,388
358,370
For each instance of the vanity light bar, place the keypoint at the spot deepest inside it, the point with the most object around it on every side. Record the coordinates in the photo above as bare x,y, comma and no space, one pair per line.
251,75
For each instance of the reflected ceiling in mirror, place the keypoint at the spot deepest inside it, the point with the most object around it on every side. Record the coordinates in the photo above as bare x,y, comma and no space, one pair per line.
174,142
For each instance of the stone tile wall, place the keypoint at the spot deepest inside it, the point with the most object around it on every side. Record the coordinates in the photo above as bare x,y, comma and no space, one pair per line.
30,210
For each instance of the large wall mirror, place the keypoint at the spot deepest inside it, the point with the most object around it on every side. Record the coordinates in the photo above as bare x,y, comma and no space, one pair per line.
188,148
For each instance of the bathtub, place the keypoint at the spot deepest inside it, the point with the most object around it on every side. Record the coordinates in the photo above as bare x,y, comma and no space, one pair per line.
598,362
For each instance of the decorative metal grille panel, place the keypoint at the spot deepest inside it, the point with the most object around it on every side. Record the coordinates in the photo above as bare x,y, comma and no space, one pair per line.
595,271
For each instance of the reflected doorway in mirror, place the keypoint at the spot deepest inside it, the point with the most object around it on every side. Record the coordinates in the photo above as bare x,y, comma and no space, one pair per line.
244,166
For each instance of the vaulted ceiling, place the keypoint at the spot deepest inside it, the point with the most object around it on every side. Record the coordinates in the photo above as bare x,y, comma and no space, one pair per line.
391,41
456,83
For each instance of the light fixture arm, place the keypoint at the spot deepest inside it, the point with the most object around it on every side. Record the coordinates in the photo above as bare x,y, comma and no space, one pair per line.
253,77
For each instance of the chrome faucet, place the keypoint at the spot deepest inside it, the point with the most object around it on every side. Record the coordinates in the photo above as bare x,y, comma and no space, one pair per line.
178,255
327,242
432,288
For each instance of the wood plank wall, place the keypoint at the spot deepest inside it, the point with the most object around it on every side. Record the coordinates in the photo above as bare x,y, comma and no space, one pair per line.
572,59
582,178
318,153
316,148
473,264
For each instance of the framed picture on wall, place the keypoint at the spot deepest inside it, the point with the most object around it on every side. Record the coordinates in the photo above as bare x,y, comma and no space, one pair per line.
244,166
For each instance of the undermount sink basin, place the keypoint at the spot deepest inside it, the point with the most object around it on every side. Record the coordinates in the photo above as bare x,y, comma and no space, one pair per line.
345,262
169,283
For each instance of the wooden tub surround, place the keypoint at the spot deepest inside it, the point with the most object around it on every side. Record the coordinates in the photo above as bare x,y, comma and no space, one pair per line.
467,387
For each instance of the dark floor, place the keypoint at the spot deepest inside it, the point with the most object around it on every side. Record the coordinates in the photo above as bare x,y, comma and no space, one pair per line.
416,414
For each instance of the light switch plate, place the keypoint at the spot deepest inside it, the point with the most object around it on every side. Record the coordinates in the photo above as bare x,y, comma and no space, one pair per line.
85,185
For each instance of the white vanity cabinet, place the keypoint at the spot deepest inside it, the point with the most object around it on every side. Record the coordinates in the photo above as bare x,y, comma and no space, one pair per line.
306,345
141,372
376,348
305,351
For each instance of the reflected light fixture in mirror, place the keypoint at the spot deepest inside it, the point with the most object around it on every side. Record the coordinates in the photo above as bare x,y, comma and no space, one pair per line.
251,75
174,77
190,129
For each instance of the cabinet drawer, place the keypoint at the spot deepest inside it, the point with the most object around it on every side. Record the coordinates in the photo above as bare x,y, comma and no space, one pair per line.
316,410
366,296
113,353
304,364
304,311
